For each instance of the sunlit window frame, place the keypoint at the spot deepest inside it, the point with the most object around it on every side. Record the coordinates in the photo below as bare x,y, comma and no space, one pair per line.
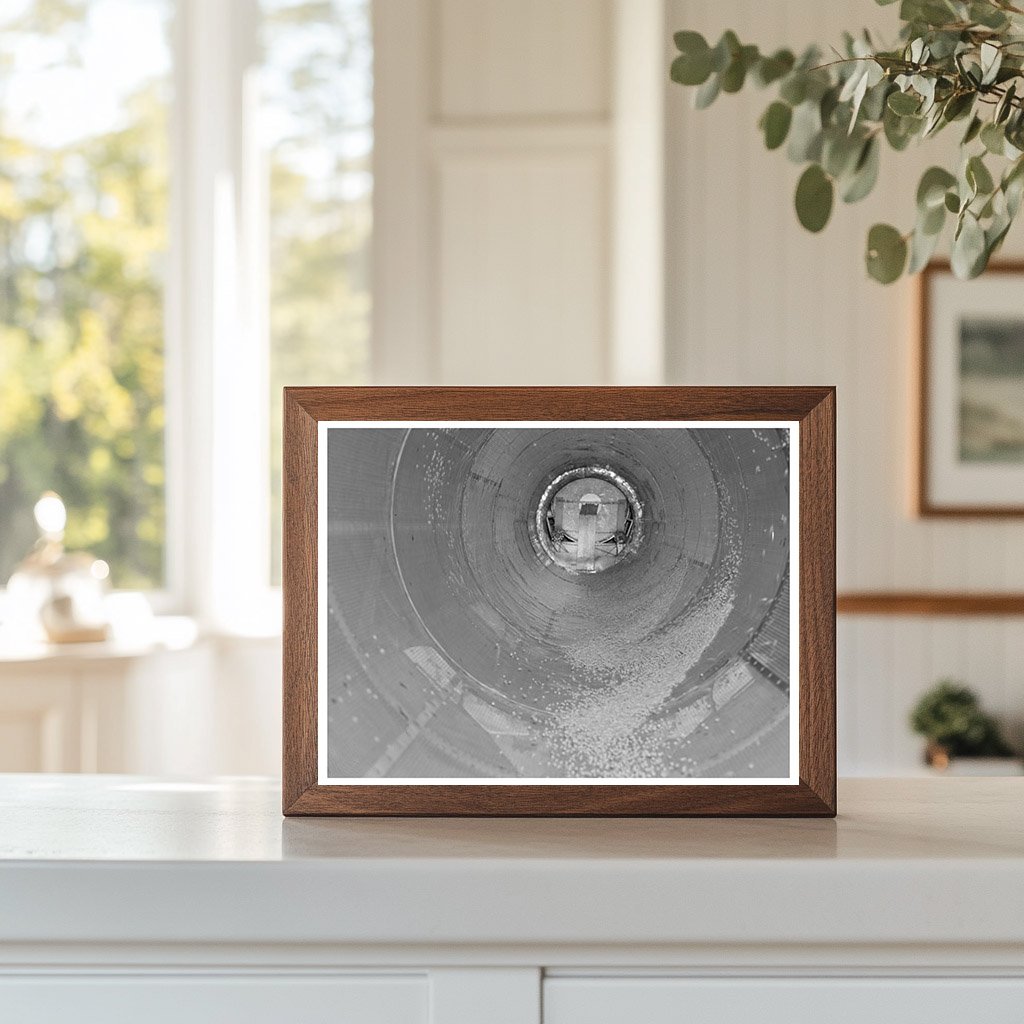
217,441
217,354
216,297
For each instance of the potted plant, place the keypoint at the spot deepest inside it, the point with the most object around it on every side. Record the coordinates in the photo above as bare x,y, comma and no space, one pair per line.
950,718
956,62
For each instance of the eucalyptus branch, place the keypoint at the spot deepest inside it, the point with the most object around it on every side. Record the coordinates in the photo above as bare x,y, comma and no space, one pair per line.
955,59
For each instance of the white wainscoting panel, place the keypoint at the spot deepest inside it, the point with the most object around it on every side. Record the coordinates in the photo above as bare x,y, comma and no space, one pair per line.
531,58
501,189
518,273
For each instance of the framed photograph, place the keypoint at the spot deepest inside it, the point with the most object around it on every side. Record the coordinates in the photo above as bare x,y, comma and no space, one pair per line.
970,450
559,601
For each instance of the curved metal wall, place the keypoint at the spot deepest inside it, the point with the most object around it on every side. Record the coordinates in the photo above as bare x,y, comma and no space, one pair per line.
456,650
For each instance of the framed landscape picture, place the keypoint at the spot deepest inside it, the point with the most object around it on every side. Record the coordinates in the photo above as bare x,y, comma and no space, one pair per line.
572,601
970,451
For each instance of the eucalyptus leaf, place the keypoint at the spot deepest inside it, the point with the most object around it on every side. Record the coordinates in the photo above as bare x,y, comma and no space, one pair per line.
1013,186
691,68
993,138
707,93
968,248
991,60
969,71
944,44
931,221
771,69
867,74
929,12
827,106
875,98
735,74
1014,192
925,87
794,88
817,84
724,51
865,174
775,124
987,15
933,122
840,152
904,103
814,195
805,133
931,190
978,176
973,130
954,60
886,253
1005,105
922,247
966,187
900,130
687,41
958,105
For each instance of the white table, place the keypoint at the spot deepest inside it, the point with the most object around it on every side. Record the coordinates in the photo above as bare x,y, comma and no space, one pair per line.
125,898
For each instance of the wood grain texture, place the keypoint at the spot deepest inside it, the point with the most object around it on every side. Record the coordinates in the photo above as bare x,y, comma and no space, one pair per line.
299,596
817,563
813,407
925,603
923,503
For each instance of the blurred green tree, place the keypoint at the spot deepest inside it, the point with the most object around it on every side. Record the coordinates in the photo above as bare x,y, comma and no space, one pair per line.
83,237
82,232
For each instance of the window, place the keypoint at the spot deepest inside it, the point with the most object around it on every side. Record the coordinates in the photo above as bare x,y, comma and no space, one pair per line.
83,234
185,222
317,88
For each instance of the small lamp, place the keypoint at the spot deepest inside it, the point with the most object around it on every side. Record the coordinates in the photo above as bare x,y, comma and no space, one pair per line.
61,594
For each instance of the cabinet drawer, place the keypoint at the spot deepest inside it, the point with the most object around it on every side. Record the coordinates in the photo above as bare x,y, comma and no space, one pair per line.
202,999
783,1000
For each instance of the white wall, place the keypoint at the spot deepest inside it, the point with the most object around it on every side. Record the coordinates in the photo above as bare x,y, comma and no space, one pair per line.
754,299
508,147
507,135
503,158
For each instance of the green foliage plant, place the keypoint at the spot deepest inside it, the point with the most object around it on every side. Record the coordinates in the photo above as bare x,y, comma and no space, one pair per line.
957,61
950,717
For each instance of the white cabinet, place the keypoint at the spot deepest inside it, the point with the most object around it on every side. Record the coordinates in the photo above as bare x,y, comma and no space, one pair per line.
828,1000
480,996
130,899
202,999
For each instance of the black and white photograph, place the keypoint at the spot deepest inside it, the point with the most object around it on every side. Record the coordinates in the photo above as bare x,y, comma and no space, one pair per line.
570,602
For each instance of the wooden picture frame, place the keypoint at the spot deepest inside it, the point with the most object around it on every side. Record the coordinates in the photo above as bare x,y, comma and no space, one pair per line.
723,416
948,484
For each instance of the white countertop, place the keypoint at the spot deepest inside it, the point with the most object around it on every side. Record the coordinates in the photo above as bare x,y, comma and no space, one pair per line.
122,859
